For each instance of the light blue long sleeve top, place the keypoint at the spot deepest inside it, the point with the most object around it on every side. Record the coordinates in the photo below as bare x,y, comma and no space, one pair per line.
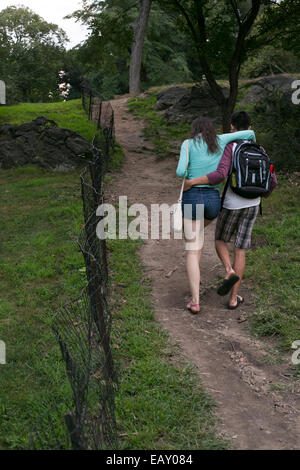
201,162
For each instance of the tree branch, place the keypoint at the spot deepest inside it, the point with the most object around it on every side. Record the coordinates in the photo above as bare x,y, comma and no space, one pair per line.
188,20
236,11
200,42
235,63
201,20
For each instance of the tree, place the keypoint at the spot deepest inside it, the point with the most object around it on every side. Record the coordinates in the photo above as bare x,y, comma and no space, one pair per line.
31,54
221,32
140,29
107,52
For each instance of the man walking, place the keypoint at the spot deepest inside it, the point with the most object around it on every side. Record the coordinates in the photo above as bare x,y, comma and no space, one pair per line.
237,217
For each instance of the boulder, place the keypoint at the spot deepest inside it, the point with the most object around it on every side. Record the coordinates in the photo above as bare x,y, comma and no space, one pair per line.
40,142
267,86
167,98
185,104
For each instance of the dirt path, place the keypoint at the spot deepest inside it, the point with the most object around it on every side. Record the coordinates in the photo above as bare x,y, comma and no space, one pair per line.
259,401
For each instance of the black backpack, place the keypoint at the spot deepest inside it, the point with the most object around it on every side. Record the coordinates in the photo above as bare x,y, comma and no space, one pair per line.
250,173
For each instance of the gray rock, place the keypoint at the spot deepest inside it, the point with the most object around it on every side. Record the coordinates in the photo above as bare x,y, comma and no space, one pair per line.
277,84
40,142
169,97
197,101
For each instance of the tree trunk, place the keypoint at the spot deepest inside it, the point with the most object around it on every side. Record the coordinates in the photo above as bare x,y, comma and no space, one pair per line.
227,111
140,30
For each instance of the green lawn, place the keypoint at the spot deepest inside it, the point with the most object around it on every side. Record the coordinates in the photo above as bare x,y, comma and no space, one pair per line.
273,265
39,271
69,115
160,403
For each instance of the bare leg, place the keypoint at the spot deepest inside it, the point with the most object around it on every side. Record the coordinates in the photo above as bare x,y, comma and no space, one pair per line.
193,255
239,268
193,273
224,255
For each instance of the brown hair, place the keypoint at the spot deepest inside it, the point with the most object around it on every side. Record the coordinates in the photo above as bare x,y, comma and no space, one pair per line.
205,127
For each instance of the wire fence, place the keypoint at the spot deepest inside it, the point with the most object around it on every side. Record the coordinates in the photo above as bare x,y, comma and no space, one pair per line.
99,111
85,419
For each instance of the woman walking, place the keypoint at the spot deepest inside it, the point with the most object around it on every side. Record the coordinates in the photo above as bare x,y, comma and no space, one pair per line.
203,151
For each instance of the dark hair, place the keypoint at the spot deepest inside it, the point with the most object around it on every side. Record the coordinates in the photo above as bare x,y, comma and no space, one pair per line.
205,127
241,120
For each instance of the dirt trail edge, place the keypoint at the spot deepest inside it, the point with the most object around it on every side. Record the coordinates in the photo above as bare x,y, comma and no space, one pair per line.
258,399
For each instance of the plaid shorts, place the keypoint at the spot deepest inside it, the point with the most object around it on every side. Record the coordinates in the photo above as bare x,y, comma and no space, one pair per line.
238,221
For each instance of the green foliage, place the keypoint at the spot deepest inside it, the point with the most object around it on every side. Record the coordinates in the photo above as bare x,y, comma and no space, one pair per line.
106,56
276,121
177,39
277,25
273,265
31,54
269,60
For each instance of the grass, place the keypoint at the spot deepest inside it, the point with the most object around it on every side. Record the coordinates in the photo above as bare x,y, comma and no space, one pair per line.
68,115
273,265
160,403
41,214
166,137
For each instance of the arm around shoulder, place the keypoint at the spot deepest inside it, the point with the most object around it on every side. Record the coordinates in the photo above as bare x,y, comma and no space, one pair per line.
240,135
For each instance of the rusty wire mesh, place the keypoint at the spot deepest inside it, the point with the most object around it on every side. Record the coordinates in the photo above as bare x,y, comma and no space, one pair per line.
86,419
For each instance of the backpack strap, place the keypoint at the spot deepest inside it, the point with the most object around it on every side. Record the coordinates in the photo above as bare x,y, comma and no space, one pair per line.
229,174
225,190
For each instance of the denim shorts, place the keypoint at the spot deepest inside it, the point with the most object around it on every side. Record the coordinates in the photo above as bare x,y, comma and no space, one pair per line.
209,198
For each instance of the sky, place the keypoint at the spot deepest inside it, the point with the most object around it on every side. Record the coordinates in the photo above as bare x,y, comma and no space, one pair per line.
53,11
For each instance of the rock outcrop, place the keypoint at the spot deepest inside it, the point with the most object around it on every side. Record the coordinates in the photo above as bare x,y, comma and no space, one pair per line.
185,104
42,143
269,86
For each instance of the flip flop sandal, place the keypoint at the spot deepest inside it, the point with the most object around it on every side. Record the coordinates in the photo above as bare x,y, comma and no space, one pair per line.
240,300
194,306
228,284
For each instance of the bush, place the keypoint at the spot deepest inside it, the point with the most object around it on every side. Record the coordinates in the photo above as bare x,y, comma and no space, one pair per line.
276,122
